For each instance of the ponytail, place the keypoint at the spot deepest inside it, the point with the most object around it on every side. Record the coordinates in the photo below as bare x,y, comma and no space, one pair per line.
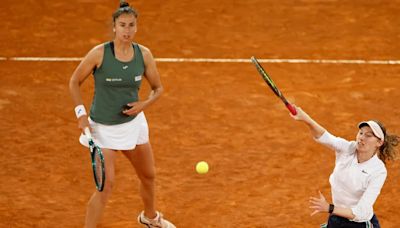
387,151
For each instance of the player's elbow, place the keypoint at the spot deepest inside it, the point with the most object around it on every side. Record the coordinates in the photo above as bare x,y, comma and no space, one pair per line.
362,213
73,83
158,89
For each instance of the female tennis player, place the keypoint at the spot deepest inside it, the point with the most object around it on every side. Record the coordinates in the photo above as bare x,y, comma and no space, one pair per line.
359,172
116,119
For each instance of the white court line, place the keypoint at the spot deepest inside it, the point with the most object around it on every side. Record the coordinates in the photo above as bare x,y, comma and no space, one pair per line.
45,59
218,60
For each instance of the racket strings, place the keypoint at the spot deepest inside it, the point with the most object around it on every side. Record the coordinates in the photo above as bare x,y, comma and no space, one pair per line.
99,169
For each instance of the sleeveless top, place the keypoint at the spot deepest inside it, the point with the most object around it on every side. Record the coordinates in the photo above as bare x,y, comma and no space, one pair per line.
116,83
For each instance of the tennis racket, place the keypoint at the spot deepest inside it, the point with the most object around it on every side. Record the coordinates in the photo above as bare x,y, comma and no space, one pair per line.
97,162
272,85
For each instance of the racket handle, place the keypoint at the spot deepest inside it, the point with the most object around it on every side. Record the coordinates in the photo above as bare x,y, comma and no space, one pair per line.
291,109
87,133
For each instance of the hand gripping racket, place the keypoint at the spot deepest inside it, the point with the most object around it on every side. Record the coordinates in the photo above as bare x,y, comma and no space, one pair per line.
272,85
97,162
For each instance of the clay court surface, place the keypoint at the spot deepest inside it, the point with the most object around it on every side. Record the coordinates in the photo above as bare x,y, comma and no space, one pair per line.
263,165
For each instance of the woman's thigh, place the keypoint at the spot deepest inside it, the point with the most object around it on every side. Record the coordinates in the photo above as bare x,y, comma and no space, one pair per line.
142,160
109,163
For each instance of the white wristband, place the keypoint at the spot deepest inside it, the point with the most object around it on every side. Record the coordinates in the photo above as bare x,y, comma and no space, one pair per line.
80,111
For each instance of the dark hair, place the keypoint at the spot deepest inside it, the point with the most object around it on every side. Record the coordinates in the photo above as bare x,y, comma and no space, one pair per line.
124,8
387,151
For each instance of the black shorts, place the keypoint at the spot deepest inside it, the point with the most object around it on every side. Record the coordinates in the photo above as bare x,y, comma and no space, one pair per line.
340,222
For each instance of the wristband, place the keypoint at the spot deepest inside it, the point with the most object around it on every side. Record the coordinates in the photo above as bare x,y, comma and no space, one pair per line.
331,208
80,111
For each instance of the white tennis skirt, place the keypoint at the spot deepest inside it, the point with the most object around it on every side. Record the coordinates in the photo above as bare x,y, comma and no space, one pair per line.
123,136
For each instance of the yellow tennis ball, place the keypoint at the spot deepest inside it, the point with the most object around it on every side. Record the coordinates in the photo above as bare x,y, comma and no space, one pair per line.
202,167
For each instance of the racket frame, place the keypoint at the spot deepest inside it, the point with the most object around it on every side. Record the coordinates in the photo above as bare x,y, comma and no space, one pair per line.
96,151
272,85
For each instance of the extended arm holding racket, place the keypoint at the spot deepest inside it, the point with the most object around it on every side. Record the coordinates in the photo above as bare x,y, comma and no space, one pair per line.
315,129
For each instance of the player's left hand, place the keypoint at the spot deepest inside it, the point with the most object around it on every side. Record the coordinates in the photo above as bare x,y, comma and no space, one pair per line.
135,108
319,204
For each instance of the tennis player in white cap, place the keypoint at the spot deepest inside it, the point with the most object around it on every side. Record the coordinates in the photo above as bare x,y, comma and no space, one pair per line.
359,172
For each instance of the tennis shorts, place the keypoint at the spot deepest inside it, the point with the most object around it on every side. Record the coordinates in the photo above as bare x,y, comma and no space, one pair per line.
340,222
123,136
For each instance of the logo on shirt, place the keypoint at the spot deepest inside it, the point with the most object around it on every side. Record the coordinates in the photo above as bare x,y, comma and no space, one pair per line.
363,171
138,78
113,79
125,67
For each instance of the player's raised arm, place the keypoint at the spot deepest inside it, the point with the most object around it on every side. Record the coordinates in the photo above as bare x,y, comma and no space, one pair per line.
316,129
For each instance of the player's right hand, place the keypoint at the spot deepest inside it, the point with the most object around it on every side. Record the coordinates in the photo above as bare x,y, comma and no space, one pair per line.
301,115
83,123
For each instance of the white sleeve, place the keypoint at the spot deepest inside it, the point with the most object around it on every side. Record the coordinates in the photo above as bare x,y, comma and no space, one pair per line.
364,210
335,143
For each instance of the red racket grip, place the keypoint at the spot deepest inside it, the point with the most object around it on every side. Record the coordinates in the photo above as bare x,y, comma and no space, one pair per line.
291,109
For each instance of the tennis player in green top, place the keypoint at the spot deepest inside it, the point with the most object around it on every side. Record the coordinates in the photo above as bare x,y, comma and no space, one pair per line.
116,117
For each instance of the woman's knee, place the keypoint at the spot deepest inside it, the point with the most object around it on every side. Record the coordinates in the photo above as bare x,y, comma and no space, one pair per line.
108,186
148,176
107,190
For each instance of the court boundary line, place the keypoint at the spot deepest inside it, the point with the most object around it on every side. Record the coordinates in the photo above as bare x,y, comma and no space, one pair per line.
218,60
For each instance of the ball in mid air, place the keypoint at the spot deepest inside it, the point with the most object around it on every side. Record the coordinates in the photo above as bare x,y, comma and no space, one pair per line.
202,167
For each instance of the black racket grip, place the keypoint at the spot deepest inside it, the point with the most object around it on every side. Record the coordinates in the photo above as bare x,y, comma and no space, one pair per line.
291,109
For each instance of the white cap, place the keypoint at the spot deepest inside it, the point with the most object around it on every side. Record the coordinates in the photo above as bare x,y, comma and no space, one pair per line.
376,129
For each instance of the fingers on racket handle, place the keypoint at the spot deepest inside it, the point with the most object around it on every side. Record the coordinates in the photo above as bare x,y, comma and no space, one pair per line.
87,133
292,109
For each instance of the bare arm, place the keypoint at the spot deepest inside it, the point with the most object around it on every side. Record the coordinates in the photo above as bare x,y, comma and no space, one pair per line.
315,129
152,76
84,69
